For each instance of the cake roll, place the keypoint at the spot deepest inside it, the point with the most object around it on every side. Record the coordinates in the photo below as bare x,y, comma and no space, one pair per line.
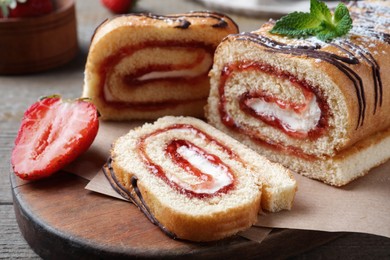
195,182
319,108
143,66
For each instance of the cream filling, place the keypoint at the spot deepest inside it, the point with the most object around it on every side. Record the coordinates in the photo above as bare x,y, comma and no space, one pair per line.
290,120
195,71
219,175
107,93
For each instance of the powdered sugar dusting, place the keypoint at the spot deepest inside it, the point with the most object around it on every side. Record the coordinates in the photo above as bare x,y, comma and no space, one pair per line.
373,21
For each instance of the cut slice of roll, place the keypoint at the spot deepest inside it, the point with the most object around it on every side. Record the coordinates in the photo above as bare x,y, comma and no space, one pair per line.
195,182
143,66
321,109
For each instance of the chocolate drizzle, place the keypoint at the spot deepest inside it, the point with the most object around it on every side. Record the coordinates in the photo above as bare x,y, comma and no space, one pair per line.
375,72
136,197
340,62
185,24
221,23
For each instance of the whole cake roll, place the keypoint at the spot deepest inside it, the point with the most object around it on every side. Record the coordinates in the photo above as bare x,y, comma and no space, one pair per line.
195,182
319,108
143,66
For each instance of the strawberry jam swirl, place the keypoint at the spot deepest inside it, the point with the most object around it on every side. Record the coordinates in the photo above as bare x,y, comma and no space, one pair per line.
209,175
287,116
188,73
299,120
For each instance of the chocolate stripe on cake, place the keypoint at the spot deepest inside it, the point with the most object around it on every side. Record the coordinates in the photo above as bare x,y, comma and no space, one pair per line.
139,201
185,24
367,56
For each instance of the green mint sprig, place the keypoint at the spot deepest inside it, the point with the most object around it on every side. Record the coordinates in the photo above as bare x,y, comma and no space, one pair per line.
319,22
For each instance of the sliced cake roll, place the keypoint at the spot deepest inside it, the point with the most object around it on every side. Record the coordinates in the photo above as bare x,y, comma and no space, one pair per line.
320,108
143,66
195,182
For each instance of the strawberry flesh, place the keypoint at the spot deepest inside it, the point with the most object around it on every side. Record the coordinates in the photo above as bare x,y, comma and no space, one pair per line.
52,134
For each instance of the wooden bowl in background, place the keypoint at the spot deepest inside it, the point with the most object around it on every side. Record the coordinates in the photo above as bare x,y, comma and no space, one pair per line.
39,43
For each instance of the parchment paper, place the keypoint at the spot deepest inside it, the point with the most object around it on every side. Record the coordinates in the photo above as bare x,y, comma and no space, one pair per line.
361,206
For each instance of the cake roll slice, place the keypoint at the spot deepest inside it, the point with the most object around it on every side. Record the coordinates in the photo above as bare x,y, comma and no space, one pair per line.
143,66
195,182
320,108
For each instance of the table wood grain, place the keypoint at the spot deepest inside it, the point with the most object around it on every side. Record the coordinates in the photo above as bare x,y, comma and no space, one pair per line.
18,92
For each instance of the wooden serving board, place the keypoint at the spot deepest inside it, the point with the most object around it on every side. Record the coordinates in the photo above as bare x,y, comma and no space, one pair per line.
62,220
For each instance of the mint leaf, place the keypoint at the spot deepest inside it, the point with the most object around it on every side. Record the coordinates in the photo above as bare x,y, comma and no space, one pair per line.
319,22
296,24
326,31
342,19
320,10
337,27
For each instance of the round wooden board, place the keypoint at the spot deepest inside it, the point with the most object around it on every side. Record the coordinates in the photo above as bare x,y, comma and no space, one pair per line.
62,220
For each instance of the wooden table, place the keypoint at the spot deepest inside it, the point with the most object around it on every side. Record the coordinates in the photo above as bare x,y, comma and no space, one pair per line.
18,92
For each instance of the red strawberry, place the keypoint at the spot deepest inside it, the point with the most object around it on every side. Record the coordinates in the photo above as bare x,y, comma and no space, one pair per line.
119,6
53,133
32,8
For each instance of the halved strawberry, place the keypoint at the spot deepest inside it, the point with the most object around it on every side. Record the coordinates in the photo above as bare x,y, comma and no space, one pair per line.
53,133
